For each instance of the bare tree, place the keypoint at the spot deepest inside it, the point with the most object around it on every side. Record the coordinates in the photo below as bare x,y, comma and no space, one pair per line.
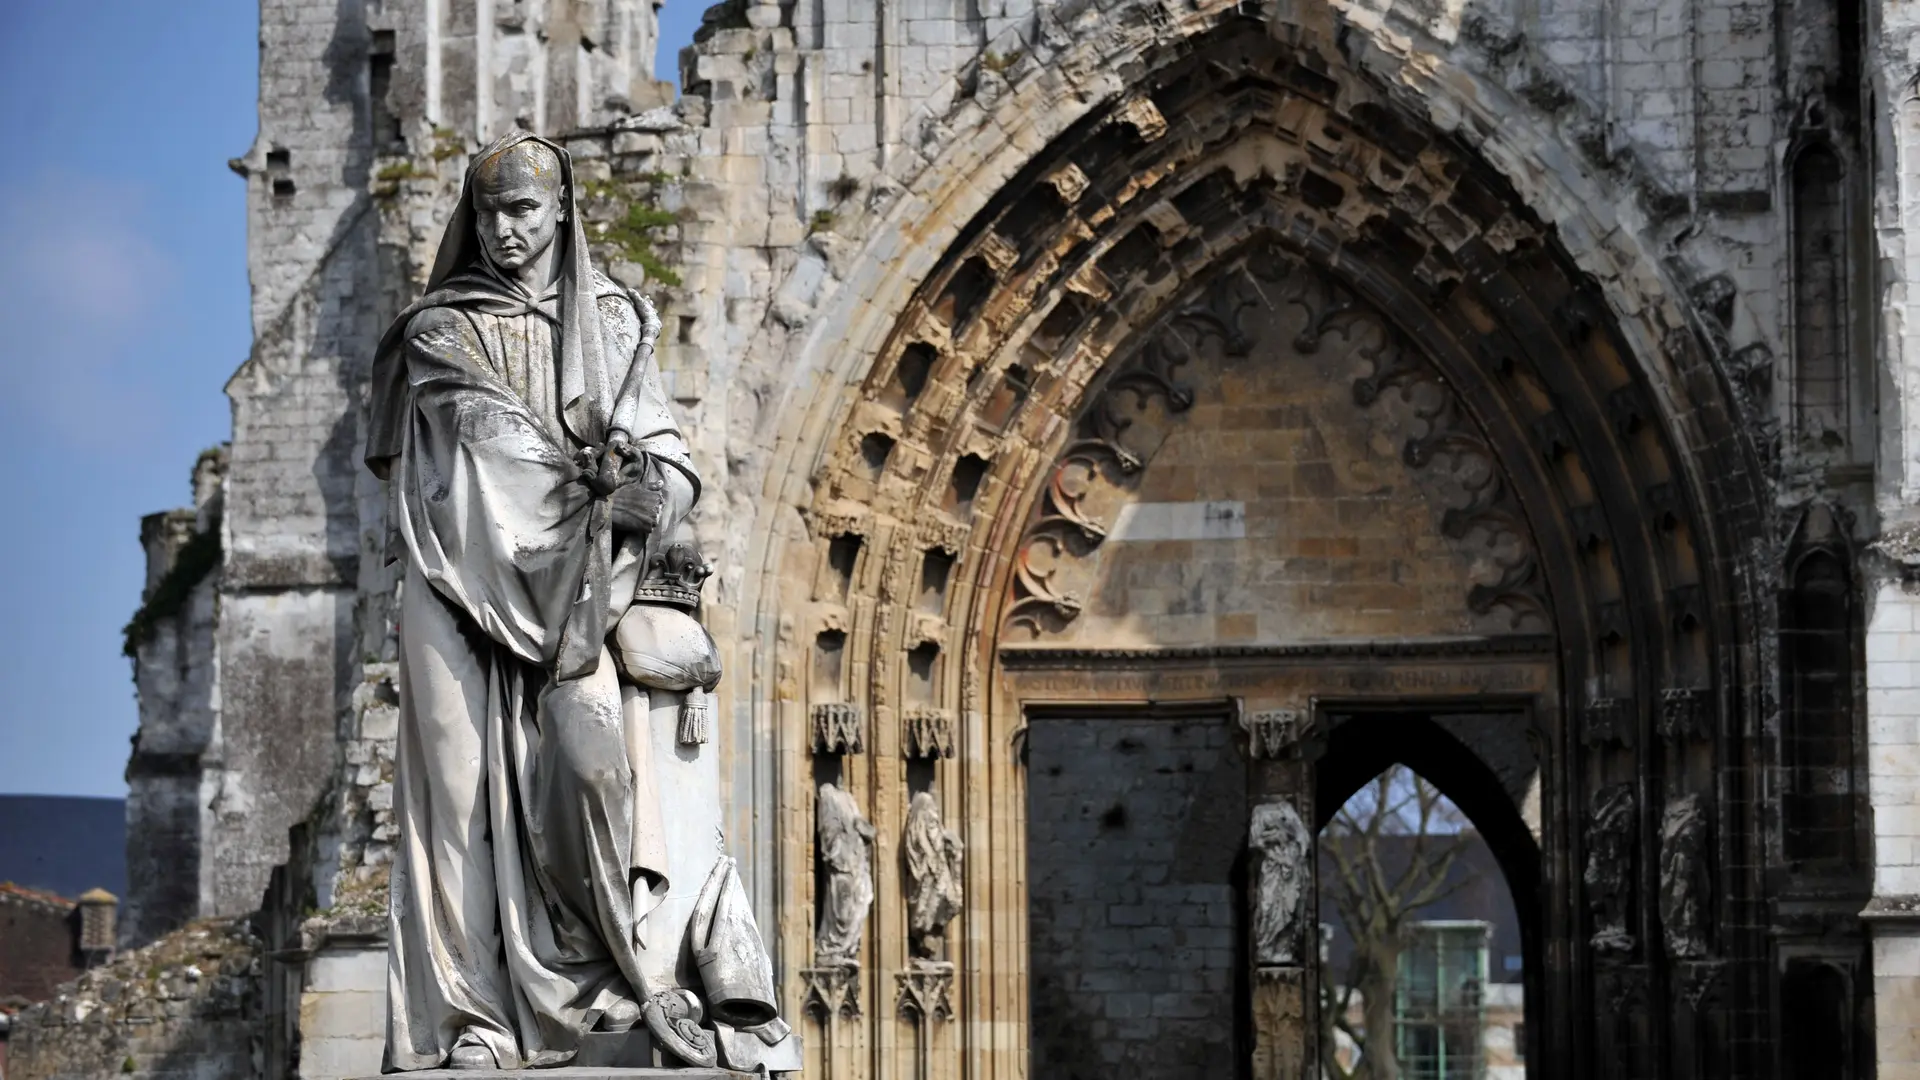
1378,894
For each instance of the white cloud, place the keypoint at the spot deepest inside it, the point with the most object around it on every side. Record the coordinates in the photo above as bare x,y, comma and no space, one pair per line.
78,284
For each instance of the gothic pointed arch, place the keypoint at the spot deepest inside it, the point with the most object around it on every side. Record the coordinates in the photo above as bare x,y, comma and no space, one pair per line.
1255,217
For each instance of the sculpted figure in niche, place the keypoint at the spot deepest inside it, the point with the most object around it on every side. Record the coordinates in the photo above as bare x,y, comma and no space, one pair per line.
1280,845
933,876
557,798
1611,820
844,840
1683,877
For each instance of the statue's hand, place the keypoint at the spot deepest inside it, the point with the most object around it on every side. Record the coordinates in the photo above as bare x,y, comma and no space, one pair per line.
606,469
639,499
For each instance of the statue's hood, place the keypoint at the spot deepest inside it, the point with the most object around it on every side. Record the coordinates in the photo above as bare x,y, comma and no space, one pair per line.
464,277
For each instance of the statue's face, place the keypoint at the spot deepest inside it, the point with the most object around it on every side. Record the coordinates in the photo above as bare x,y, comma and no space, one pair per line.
518,204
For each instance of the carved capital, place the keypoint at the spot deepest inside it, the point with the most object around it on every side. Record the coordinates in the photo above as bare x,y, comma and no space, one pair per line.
832,990
1276,733
928,731
1607,721
1683,713
838,728
925,992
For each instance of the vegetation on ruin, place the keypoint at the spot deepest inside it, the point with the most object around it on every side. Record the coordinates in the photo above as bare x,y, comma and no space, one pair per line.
401,170
196,560
999,63
447,143
633,231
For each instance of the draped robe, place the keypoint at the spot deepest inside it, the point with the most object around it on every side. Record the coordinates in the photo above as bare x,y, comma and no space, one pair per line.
523,803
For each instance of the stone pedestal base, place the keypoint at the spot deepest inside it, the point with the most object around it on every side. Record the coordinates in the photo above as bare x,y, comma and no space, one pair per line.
569,1073
621,1050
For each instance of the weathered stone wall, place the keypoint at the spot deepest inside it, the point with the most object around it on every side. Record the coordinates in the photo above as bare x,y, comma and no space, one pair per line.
1134,836
171,643
183,1008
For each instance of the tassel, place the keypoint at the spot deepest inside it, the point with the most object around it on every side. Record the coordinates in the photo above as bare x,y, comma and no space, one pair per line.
694,726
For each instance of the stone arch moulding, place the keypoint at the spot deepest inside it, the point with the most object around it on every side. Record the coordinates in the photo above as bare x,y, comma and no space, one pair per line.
1056,295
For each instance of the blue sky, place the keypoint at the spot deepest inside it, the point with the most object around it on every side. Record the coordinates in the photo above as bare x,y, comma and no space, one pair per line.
126,309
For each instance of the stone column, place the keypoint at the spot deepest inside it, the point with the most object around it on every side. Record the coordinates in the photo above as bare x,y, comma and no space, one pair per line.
1282,894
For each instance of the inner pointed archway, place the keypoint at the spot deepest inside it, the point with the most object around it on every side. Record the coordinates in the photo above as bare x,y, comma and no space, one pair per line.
1426,902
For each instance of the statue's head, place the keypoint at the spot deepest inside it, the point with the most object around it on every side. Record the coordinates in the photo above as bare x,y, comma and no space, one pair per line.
519,204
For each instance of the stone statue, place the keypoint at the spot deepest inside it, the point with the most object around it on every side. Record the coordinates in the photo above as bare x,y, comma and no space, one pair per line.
1684,881
845,846
933,876
559,869
1611,821
1280,846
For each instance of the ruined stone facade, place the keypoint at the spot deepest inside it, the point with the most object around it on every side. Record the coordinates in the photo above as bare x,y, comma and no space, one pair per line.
1515,390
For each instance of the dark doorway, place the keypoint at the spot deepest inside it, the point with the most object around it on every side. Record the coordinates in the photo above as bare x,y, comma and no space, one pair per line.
1136,823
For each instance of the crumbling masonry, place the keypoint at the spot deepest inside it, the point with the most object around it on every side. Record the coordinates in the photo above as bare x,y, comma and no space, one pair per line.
1333,370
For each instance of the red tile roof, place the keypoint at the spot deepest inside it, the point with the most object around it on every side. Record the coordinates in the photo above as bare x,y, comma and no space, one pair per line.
39,896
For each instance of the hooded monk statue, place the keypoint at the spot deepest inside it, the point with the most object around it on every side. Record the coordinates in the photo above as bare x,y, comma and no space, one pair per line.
561,868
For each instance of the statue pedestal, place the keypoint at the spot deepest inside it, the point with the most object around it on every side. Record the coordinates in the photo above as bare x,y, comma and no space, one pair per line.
573,1073
603,1055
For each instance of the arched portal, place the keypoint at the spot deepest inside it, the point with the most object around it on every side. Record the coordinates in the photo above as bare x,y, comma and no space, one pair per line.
1253,390
1487,764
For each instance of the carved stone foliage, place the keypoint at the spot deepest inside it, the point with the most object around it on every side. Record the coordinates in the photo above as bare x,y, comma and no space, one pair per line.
932,854
832,991
844,846
1612,819
1442,442
1281,846
1101,452
925,992
1275,733
838,728
1446,439
928,731
1684,877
